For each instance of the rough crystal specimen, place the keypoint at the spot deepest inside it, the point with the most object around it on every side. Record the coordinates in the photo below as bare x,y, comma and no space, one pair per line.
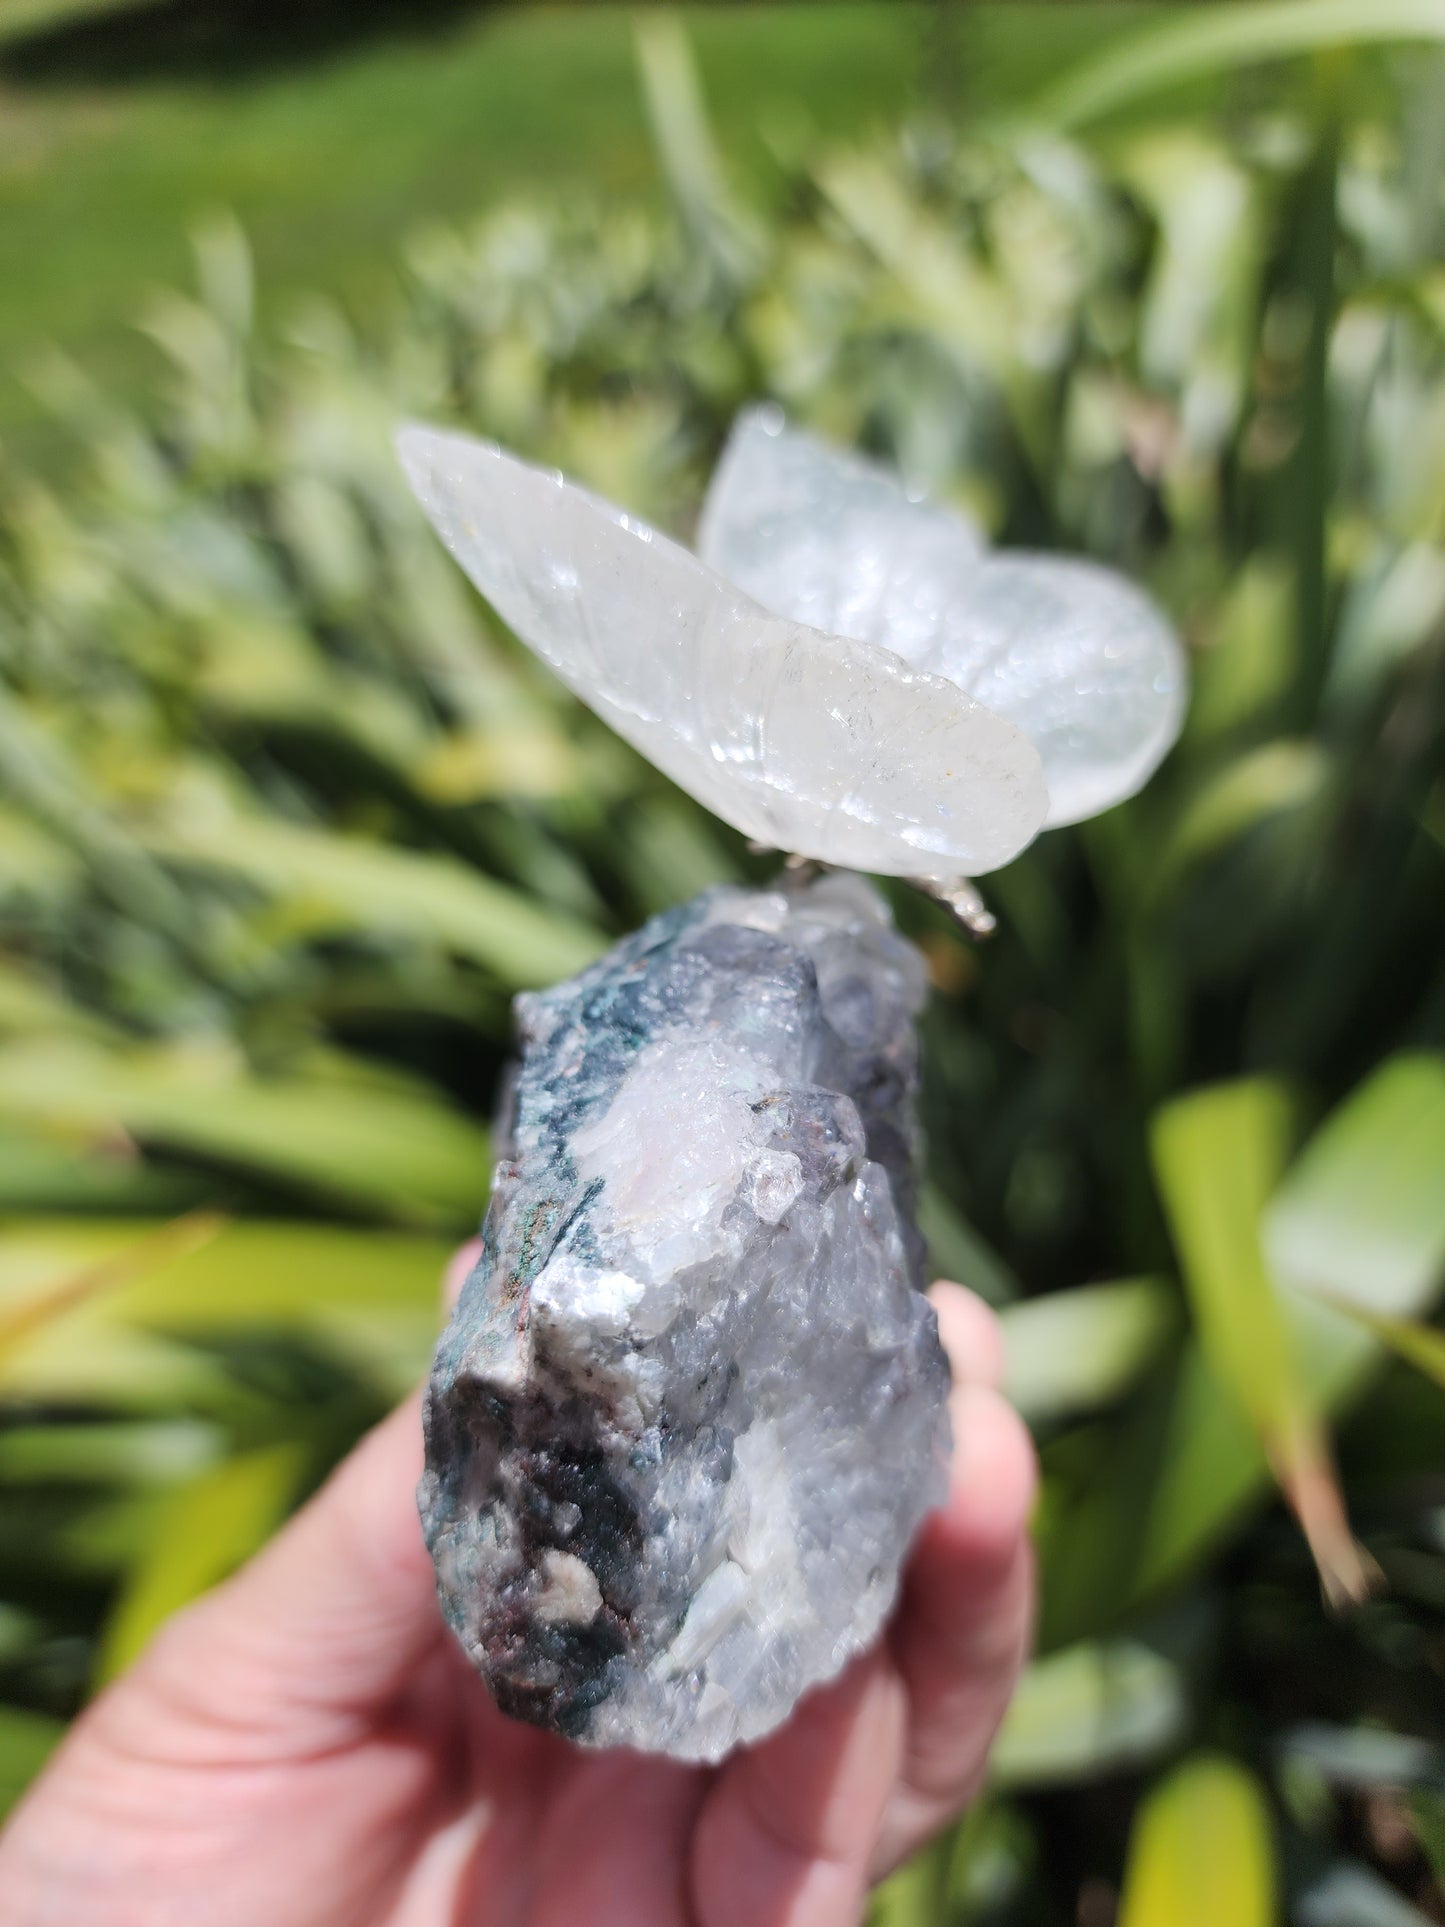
691,1407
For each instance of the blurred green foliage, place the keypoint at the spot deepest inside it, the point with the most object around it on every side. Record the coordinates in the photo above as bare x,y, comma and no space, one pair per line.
328,125
287,817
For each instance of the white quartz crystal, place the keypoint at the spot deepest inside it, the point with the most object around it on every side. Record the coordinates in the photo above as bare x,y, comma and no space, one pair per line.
846,672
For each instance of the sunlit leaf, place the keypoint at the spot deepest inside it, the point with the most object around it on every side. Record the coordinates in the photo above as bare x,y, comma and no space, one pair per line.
1071,1352
1222,39
1219,1155
122,1453
207,1529
1250,659
947,287
26,1742
673,96
1089,1710
532,760
1419,1345
348,884
1361,1215
369,1296
1201,1851
1366,1756
1196,327
27,1003
384,1147
20,1319
40,1172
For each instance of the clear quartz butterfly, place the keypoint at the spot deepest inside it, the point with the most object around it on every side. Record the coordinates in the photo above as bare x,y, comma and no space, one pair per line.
841,671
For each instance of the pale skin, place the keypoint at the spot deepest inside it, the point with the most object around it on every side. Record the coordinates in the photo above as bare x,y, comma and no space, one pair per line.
307,1747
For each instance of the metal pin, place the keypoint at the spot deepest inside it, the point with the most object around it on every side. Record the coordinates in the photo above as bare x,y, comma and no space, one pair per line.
960,896
963,900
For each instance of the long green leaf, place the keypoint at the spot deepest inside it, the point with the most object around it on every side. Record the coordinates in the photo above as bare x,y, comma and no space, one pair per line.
27,1003
1221,39
345,884
1347,1894
1280,776
39,1172
383,1146
1366,1756
1360,1216
1219,1155
124,1452
39,1309
957,1252
672,92
201,1535
368,1296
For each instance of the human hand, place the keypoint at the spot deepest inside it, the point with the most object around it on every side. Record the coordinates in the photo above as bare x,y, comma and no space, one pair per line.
308,1747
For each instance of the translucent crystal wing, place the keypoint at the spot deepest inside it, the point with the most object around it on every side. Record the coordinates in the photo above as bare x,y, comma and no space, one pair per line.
1071,652
830,539
1080,659
815,743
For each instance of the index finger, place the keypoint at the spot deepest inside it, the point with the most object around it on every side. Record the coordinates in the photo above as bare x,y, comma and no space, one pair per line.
963,1629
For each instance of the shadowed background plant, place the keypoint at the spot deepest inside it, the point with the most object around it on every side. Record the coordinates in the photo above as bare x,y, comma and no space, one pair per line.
286,818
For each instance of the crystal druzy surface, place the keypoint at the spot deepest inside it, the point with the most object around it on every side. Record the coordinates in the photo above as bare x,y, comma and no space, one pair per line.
691,1407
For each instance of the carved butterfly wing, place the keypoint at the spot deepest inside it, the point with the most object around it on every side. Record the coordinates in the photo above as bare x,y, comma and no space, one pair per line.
1072,653
830,538
827,746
